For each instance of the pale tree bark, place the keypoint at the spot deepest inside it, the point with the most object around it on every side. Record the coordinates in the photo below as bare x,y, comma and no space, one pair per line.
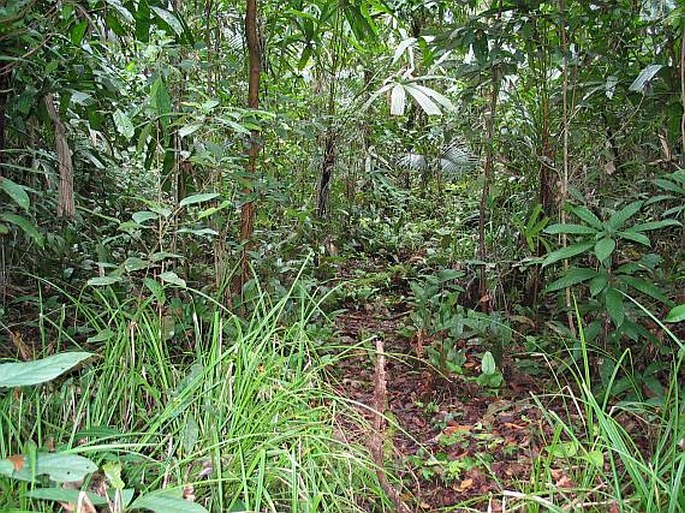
65,191
247,214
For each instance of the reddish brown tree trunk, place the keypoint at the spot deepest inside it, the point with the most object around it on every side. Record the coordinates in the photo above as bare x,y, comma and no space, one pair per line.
65,192
247,214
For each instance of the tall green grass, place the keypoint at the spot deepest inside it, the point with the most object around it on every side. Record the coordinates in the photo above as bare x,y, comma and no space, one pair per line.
234,410
610,467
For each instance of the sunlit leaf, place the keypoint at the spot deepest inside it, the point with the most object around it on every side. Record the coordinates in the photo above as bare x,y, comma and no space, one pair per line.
21,374
16,192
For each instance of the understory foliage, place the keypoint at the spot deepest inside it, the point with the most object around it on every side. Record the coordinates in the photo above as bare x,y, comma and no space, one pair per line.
177,179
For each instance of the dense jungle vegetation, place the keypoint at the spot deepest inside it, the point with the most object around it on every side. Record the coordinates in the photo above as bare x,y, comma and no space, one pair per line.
342,255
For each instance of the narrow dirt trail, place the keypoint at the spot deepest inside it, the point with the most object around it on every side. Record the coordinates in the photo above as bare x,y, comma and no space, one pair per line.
464,444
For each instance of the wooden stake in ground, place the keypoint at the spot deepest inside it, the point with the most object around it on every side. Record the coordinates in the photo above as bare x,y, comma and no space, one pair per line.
380,404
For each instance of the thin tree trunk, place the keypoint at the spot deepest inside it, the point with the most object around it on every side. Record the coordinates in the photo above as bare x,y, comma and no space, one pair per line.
488,168
65,192
323,189
247,214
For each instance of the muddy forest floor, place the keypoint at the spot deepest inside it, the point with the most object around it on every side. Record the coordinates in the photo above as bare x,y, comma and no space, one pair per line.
465,445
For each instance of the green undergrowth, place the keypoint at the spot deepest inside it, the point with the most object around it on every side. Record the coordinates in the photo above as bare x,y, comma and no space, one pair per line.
233,411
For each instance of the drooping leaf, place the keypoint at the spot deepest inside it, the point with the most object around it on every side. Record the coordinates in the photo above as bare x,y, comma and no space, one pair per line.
567,252
615,306
397,100
604,248
571,229
655,225
78,32
60,467
630,235
103,281
168,18
646,288
426,104
16,192
198,198
167,502
598,283
573,276
26,226
173,278
644,77
20,374
144,215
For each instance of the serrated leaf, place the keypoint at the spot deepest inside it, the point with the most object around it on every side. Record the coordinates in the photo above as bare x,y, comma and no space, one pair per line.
398,98
615,307
26,226
619,218
640,238
567,252
103,281
16,192
573,276
604,248
123,124
198,198
173,278
598,283
646,288
587,216
22,374
655,225
677,314
571,229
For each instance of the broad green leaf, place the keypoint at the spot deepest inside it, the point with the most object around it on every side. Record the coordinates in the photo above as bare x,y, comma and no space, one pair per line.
640,238
587,216
573,276
173,278
104,335
619,218
187,130
398,98
668,185
168,18
198,198
488,365
604,248
596,458
598,283
63,468
22,374
143,215
103,281
644,77
26,226
615,306
16,192
64,495
199,231
166,502
426,104
654,225
160,98
78,32
157,290
123,124
132,264
646,288
677,314
112,471
567,252
436,96
571,229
